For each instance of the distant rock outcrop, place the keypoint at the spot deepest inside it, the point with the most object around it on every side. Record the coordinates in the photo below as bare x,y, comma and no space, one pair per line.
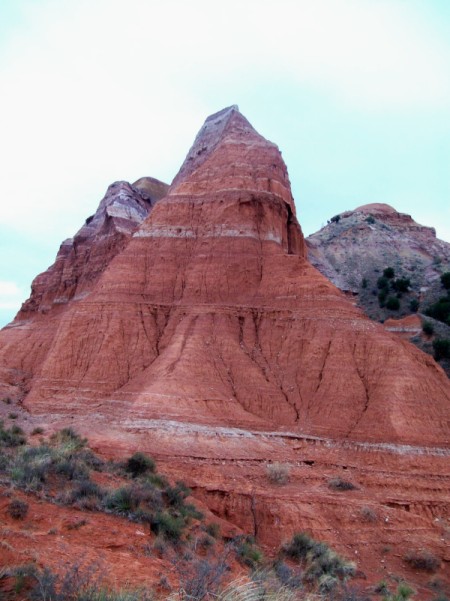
355,248
359,244
79,263
82,259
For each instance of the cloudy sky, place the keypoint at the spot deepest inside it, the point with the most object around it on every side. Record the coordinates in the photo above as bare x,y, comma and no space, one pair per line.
356,93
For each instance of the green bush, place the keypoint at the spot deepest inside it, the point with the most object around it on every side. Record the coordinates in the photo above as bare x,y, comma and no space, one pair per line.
393,304
428,328
441,348
11,438
177,494
382,282
440,310
139,464
389,273
403,593
247,552
318,558
382,295
401,284
157,480
414,305
299,546
121,500
213,529
85,489
71,468
167,525
445,280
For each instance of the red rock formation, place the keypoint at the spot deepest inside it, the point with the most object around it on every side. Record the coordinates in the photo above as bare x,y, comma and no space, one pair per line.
210,342
82,259
212,313
78,265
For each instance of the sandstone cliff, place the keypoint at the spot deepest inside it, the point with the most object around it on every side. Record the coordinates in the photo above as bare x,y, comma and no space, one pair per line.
212,343
78,265
211,312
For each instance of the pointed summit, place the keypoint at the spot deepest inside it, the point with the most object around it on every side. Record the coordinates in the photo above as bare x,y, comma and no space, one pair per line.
209,136
229,154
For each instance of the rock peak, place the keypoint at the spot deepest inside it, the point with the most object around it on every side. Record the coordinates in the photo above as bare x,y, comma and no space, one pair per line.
229,154
376,207
216,128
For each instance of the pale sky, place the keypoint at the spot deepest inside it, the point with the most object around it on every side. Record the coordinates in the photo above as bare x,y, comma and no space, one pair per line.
356,94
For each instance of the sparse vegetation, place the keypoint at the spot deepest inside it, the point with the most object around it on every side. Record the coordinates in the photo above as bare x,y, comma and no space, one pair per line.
445,280
428,328
339,483
247,552
422,560
401,284
319,561
414,305
60,471
139,464
441,347
12,437
392,303
368,514
74,584
383,282
18,509
278,473
403,593
440,310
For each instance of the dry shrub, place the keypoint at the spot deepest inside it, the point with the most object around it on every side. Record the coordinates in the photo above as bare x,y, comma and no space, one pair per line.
278,473
339,483
422,560
18,509
368,514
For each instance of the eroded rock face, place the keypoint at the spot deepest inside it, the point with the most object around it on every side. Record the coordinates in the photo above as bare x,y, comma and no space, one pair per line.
361,243
79,263
210,342
355,248
212,313
82,259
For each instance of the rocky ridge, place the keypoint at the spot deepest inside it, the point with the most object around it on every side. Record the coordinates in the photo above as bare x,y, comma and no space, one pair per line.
354,249
361,243
211,342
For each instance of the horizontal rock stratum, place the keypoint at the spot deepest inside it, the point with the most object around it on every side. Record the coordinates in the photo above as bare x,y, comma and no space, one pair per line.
211,313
